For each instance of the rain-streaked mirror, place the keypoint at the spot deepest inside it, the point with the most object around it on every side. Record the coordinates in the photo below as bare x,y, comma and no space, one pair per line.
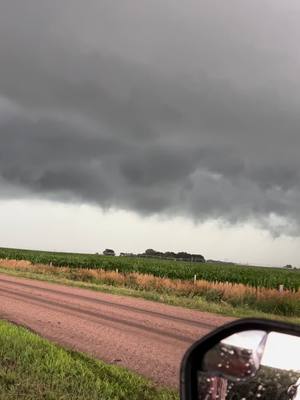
252,365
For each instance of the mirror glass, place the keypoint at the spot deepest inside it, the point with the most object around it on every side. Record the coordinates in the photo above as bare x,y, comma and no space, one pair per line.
236,357
252,365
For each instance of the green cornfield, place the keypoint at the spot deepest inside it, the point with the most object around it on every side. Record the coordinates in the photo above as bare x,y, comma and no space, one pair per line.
214,272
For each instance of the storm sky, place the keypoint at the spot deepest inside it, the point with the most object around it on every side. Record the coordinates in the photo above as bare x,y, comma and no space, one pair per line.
164,109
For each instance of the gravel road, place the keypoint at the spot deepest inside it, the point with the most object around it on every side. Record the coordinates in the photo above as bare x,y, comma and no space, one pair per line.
147,337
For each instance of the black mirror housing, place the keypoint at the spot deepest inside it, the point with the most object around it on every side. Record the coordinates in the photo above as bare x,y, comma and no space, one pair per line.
193,360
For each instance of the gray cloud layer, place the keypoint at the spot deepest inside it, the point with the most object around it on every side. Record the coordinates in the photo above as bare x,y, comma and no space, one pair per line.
187,108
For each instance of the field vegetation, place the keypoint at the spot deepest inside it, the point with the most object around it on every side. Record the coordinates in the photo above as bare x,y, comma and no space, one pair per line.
257,277
271,301
32,368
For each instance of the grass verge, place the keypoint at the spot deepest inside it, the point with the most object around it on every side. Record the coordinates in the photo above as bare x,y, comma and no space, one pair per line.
31,368
44,273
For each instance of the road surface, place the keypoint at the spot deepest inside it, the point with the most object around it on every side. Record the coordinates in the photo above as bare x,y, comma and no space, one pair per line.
147,337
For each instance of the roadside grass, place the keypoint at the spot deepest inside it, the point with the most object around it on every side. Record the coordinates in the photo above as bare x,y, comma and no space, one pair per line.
114,284
32,368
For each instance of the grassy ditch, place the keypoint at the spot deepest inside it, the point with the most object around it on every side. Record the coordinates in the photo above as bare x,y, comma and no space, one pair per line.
31,368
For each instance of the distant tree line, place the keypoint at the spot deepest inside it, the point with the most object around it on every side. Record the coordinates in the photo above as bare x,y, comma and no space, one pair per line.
168,255
109,252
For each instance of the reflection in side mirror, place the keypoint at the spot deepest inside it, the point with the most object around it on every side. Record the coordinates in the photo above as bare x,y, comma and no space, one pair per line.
252,365
237,357
246,360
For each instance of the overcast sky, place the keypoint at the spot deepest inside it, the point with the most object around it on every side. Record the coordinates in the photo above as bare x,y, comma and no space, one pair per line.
178,119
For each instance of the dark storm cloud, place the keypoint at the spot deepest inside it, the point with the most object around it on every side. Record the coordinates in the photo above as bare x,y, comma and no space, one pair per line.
160,107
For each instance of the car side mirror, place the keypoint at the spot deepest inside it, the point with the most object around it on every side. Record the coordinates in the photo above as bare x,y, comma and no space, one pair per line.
246,359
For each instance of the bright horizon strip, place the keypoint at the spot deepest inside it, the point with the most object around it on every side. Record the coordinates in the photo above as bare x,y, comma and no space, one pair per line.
84,228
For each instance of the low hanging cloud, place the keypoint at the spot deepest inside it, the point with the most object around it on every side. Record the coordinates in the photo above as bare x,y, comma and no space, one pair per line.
168,108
